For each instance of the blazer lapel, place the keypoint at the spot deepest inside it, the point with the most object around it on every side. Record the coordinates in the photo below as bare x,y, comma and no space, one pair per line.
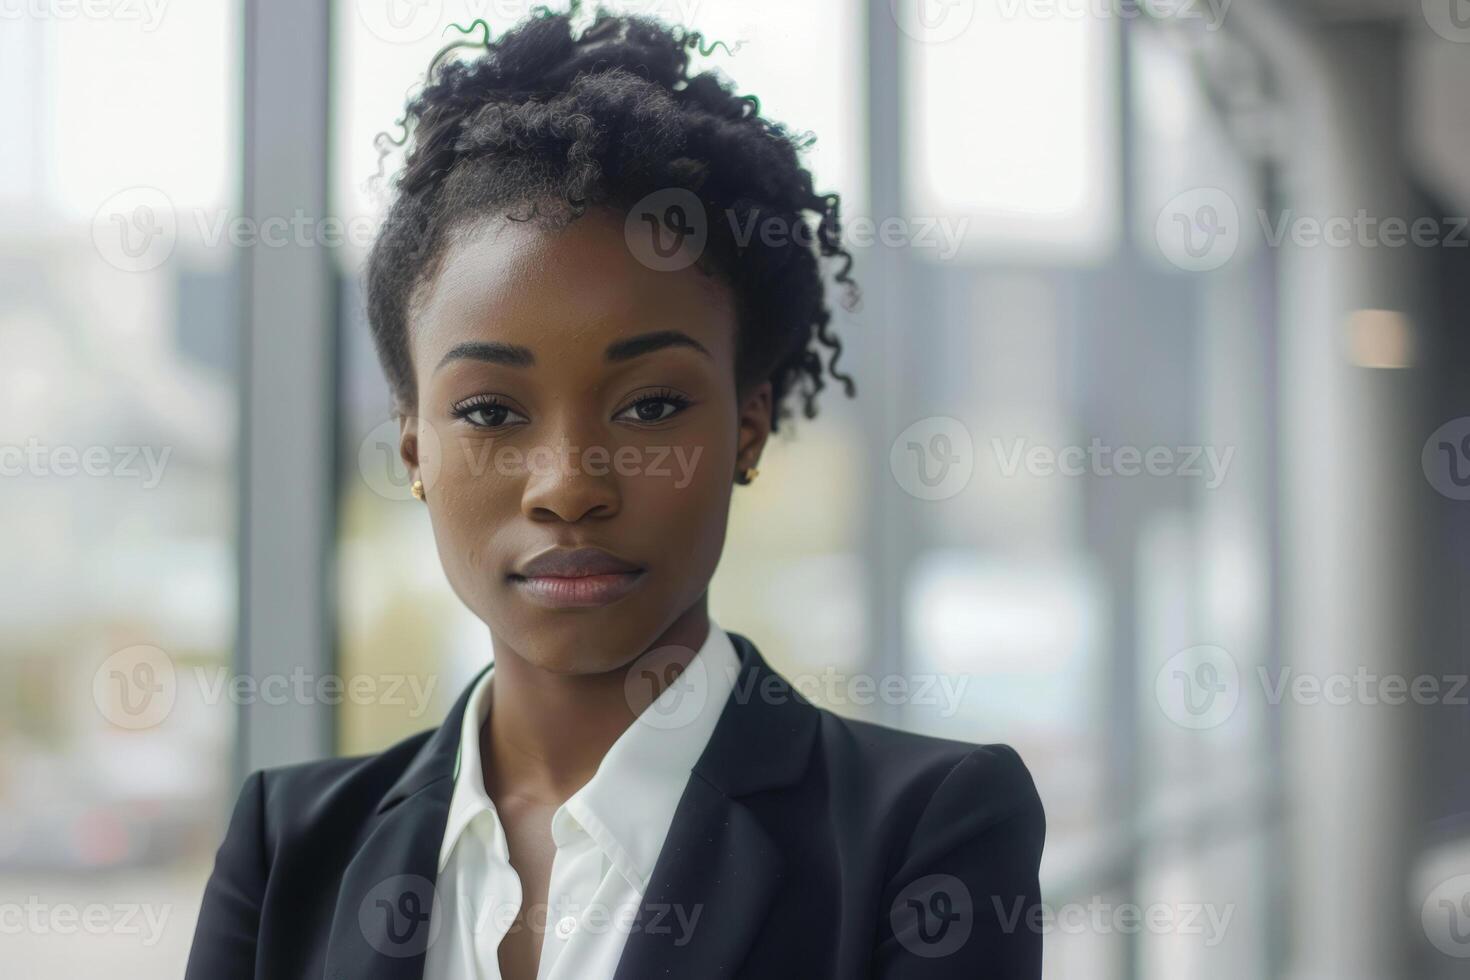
719,869
711,886
381,928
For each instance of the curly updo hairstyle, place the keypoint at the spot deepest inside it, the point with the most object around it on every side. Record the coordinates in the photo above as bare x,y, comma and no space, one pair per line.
546,121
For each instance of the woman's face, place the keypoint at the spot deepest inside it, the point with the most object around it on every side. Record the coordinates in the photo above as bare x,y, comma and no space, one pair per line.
571,397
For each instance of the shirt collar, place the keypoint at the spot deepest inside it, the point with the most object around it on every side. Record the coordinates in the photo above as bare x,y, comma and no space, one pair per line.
628,805
470,796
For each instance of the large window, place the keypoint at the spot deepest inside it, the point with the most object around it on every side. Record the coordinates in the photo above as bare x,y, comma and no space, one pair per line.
117,429
941,529
1050,509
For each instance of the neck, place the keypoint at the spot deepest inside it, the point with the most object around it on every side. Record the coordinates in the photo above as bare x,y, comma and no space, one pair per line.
548,732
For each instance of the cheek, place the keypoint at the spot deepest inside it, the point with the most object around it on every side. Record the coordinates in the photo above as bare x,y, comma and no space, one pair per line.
475,494
683,497
674,494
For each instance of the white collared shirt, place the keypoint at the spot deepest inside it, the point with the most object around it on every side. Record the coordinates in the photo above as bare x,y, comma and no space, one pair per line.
608,835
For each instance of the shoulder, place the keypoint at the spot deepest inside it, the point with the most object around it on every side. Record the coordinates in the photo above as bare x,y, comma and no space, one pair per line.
947,788
286,818
963,831
336,794
924,759
877,778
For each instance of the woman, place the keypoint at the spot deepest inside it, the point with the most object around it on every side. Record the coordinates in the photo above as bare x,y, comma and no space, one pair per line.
593,296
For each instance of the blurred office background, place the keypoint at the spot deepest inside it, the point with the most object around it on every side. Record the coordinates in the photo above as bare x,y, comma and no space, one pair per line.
1167,486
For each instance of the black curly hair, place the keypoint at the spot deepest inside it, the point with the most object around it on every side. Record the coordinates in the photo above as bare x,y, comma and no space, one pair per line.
554,121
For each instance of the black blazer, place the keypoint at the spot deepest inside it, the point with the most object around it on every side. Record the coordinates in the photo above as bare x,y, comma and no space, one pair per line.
805,845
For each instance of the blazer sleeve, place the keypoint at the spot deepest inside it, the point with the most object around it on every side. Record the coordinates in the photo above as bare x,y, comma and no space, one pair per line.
229,917
966,899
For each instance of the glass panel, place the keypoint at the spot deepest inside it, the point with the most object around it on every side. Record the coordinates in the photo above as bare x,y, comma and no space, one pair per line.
1202,908
1031,176
117,440
1074,948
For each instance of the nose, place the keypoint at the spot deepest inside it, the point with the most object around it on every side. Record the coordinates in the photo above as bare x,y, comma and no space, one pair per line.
563,483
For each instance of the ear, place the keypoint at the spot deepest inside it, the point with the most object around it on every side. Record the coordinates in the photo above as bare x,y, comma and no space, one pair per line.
408,443
755,427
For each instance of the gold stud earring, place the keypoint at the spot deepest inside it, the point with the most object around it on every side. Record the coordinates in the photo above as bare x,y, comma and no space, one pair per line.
751,473
418,489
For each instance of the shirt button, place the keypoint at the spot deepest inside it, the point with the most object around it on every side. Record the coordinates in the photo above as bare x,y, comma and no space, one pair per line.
565,926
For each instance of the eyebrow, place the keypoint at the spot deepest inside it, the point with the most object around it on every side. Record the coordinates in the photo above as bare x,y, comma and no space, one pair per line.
514,355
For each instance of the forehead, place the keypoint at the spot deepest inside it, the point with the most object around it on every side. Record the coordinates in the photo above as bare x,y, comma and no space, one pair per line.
554,289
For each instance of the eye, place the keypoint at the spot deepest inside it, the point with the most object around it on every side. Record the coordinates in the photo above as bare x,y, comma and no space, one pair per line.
651,408
484,412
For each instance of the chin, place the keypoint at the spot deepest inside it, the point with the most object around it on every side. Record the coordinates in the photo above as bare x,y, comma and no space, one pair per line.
581,641
574,666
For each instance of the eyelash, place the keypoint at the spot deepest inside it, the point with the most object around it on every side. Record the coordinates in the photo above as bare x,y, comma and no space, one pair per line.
489,403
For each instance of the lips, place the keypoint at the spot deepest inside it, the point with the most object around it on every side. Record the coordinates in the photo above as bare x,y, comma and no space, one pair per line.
560,578
575,563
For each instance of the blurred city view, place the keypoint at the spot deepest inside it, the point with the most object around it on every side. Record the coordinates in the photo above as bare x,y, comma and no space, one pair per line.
1159,467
